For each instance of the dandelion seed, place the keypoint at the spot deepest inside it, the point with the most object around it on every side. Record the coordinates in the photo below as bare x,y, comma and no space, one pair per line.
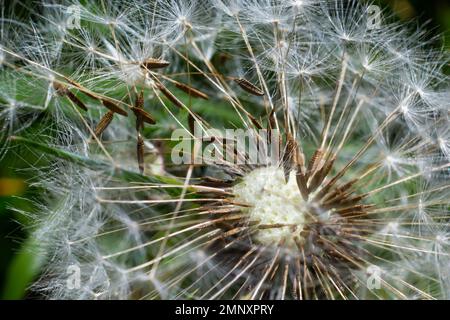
152,63
249,87
169,95
64,91
191,91
114,107
140,153
145,116
104,123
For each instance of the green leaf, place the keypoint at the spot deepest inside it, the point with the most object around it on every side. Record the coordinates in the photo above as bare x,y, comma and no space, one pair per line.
22,270
97,165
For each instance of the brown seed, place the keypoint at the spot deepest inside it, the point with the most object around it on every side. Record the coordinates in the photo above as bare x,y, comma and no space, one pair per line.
353,200
140,153
349,210
145,116
336,200
249,87
320,174
216,183
299,159
323,192
139,103
314,162
79,87
273,226
255,122
75,100
62,90
272,123
327,196
114,107
104,123
169,95
301,184
153,63
191,123
289,155
191,91
232,232
224,211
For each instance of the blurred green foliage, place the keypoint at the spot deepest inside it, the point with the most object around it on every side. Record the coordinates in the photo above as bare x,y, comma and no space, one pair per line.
20,264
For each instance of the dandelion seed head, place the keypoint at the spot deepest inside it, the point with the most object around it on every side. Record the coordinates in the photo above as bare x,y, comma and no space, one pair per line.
272,201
